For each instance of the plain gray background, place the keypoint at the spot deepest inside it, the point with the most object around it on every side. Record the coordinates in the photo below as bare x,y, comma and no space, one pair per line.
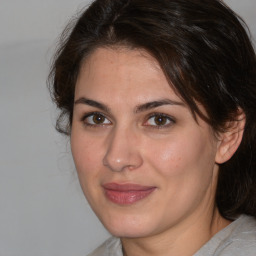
42,209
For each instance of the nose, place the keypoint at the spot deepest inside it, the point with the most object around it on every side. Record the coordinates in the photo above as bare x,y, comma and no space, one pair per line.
122,151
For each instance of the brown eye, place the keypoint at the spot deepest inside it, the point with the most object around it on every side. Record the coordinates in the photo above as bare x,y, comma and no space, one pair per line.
158,120
96,119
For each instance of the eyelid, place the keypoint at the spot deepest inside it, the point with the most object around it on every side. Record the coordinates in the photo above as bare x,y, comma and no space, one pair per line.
85,116
151,115
171,120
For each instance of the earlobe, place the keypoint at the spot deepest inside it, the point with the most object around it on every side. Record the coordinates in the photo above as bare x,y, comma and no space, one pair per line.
230,139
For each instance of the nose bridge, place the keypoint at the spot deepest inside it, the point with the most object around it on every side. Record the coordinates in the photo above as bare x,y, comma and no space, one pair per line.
122,150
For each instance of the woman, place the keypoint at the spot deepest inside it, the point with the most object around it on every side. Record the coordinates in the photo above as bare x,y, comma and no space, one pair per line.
160,98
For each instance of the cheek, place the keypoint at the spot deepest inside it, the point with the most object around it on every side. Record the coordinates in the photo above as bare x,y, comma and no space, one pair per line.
87,158
167,158
86,154
181,155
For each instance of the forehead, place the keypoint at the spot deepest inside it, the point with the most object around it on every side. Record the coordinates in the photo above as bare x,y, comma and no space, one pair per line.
121,72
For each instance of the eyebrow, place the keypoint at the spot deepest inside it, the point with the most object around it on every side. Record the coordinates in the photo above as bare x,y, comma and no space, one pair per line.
92,103
138,109
157,103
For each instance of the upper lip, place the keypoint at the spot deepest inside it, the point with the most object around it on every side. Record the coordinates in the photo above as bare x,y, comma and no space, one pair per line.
126,187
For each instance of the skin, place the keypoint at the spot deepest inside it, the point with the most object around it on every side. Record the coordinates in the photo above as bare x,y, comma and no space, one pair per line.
178,156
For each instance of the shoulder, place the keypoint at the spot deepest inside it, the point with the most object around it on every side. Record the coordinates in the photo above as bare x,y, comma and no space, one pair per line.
239,238
242,241
111,247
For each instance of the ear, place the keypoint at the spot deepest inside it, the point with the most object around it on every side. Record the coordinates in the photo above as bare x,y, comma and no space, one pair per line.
230,139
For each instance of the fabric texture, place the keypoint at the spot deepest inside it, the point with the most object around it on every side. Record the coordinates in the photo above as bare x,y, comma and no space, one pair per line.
237,239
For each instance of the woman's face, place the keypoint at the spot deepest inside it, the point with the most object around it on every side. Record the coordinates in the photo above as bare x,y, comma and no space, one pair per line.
145,165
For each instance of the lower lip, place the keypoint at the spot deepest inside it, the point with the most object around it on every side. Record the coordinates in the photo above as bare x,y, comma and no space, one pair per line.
127,197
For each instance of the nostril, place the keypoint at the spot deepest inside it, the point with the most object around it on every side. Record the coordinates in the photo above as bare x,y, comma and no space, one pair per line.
127,162
114,163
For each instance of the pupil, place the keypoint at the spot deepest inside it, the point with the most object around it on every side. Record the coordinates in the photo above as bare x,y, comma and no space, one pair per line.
98,119
160,120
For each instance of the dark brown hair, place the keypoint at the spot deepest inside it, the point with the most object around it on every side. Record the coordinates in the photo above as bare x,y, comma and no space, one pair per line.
204,51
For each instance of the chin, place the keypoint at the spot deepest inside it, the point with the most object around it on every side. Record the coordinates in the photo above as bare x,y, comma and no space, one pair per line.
128,232
128,226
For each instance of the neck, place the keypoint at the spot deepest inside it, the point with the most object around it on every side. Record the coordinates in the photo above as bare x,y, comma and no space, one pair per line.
182,240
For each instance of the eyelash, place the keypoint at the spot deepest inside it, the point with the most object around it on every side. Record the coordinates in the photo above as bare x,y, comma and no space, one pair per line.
169,119
91,114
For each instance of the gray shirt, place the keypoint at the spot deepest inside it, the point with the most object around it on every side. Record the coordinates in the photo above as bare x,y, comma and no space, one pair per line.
237,239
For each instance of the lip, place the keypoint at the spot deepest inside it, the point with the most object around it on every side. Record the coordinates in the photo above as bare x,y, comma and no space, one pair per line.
125,194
